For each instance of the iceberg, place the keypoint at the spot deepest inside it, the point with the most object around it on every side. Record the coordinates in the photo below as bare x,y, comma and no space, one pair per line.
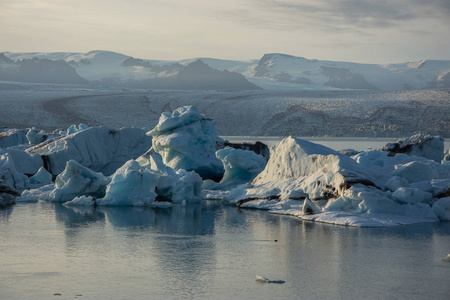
263,279
187,140
13,137
100,149
41,178
442,209
36,136
34,195
147,182
12,168
241,166
131,185
431,147
77,180
75,128
314,182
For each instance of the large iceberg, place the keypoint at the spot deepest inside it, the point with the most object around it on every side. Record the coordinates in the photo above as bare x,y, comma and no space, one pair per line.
145,182
101,149
187,140
317,183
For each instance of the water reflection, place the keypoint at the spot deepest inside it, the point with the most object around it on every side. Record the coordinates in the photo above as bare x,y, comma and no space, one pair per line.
5,212
77,216
214,251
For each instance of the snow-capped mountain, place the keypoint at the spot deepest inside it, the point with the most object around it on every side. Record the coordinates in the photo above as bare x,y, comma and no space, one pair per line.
416,75
272,71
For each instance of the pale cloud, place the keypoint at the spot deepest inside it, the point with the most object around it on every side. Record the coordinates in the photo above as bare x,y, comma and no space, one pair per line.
338,14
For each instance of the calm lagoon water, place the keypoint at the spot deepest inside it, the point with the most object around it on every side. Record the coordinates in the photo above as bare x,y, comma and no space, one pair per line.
211,251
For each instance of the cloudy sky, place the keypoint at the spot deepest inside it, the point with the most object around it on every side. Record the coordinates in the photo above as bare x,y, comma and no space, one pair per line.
372,31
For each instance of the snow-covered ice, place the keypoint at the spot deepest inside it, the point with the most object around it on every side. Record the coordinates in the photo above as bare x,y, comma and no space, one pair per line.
313,182
431,147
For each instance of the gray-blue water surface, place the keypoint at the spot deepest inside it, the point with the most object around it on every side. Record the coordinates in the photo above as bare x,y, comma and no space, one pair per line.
211,251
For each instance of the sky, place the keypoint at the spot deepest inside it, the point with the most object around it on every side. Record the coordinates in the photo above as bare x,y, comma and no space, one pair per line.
366,31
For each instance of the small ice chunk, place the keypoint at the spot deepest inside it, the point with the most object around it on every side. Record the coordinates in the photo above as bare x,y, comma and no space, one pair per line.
42,177
36,136
446,259
310,208
260,278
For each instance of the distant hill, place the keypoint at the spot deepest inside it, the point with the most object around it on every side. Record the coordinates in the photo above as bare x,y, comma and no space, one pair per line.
272,71
198,76
38,71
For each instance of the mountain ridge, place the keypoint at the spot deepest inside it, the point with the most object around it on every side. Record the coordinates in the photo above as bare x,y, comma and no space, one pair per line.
272,71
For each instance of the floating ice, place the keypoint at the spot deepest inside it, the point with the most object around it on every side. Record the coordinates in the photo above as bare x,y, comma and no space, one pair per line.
34,195
13,165
77,180
241,166
265,280
187,140
36,136
411,195
442,209
99,148
75,128
131,185
316,183
13,137
431,147
147,182
42,177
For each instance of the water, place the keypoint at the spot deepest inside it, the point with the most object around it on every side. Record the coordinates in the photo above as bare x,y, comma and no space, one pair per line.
211,251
